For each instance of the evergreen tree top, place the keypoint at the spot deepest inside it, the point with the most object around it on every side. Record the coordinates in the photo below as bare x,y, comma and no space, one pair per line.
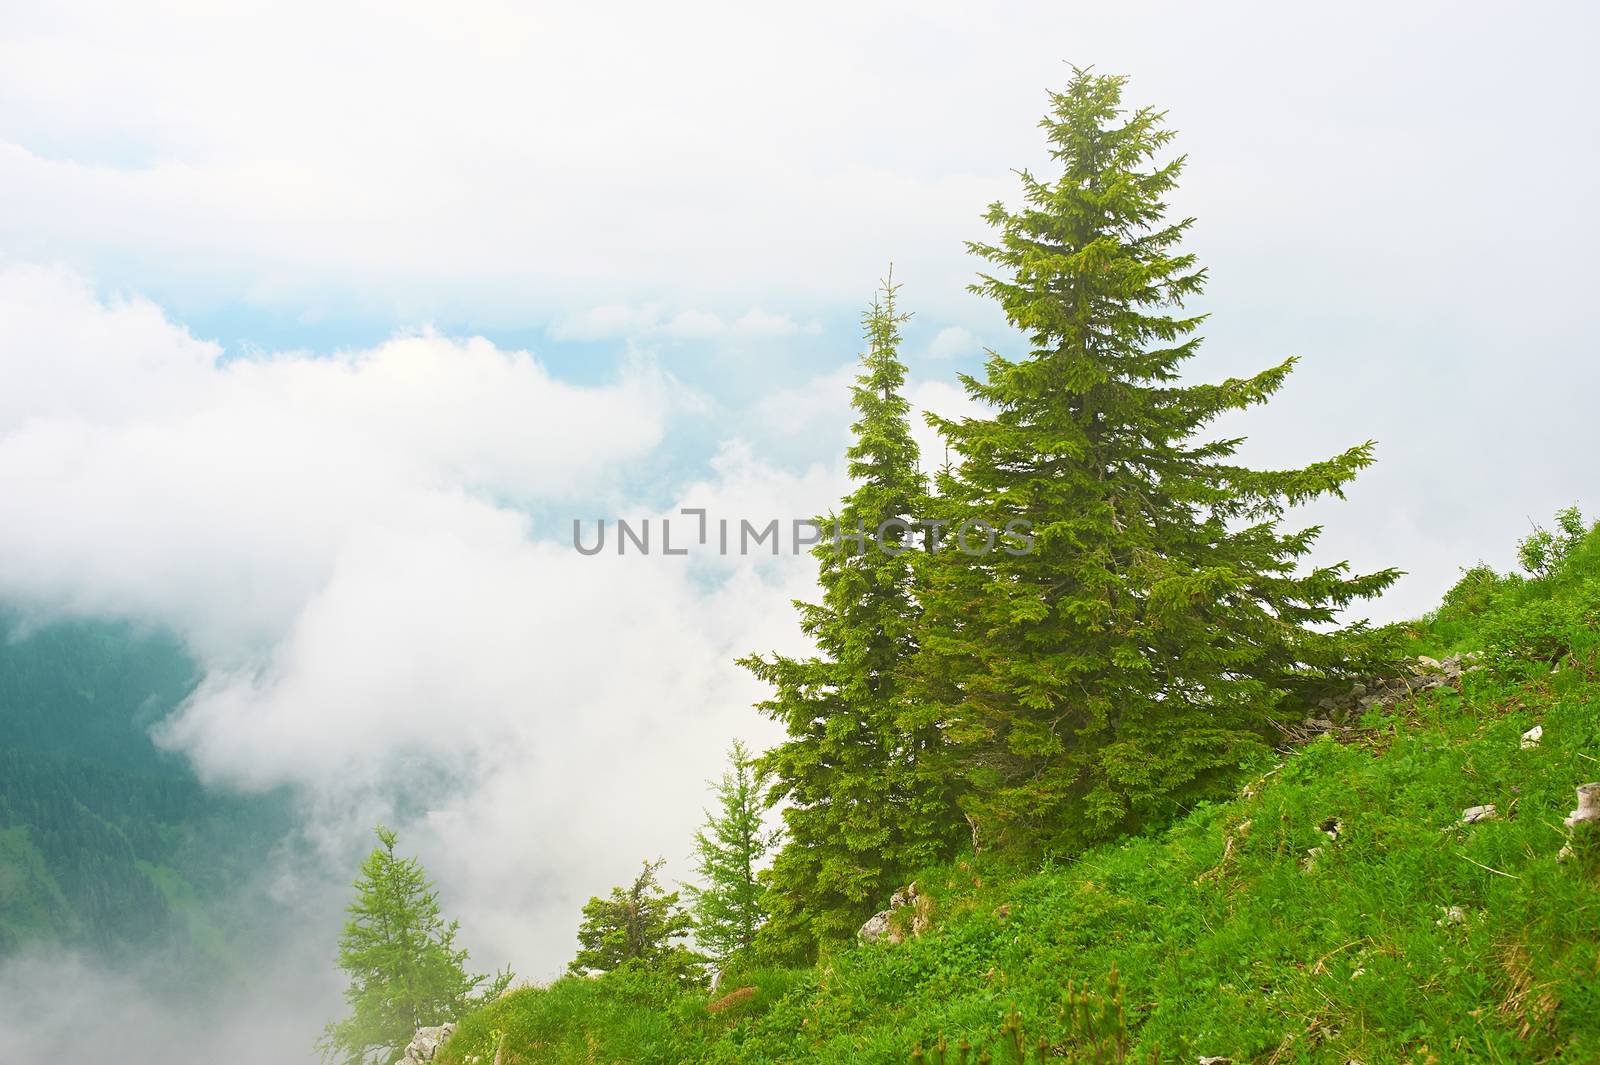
883,457
1144,642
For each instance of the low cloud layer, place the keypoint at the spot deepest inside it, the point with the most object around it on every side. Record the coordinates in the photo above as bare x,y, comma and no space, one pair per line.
345,543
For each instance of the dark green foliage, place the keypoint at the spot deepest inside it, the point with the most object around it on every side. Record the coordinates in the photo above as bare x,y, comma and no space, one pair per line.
865,802
400,955
731,904
91,690
102,899
1126,665
640,924
111,845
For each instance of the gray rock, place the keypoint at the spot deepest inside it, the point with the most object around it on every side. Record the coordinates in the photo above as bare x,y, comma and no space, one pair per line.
424,1046
881,924
875,928
1588,811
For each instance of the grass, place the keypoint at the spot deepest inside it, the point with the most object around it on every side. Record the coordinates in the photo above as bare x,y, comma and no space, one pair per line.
1409,938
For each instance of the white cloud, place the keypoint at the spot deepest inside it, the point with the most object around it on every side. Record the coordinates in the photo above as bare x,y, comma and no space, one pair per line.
608,322
508,163
759,323
617,321
336,538
945,399
694,325
142,473
952,342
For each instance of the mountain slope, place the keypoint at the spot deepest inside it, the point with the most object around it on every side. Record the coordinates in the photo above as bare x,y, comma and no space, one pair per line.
108,844
1338,909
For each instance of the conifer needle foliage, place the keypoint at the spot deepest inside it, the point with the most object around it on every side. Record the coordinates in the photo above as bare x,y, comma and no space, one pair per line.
864,802
400,955
1136,653
640,923
731,904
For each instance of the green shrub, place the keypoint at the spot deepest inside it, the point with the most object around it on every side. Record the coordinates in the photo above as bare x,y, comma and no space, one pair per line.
1543,553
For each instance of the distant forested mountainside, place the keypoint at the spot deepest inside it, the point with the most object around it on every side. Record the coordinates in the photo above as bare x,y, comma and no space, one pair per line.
109,845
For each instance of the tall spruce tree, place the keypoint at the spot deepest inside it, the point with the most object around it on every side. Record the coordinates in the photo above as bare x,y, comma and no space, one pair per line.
731,905
1122,665
400,955
864,804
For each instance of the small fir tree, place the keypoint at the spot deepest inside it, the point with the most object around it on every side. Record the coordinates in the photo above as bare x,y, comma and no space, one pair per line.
400,955
731,905
1131,656
640,923
864,802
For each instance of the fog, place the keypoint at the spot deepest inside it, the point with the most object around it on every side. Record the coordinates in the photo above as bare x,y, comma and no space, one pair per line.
359,522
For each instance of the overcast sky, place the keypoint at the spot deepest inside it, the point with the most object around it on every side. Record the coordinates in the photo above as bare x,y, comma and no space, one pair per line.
319,320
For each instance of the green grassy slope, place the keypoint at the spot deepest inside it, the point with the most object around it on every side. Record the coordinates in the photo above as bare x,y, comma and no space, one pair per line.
1411,938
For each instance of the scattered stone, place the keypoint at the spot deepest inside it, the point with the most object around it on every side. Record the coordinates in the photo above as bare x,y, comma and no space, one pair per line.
1532,737
1216,1061
1331,827
881,925
1588,811
1474,814
424,1046
1309,862
1452,915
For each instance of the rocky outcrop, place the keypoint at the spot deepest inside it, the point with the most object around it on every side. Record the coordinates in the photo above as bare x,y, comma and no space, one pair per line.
424,1046
1427,674
884,925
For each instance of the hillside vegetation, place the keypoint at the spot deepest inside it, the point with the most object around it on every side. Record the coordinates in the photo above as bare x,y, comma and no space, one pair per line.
1086,709
109,845
1410,937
